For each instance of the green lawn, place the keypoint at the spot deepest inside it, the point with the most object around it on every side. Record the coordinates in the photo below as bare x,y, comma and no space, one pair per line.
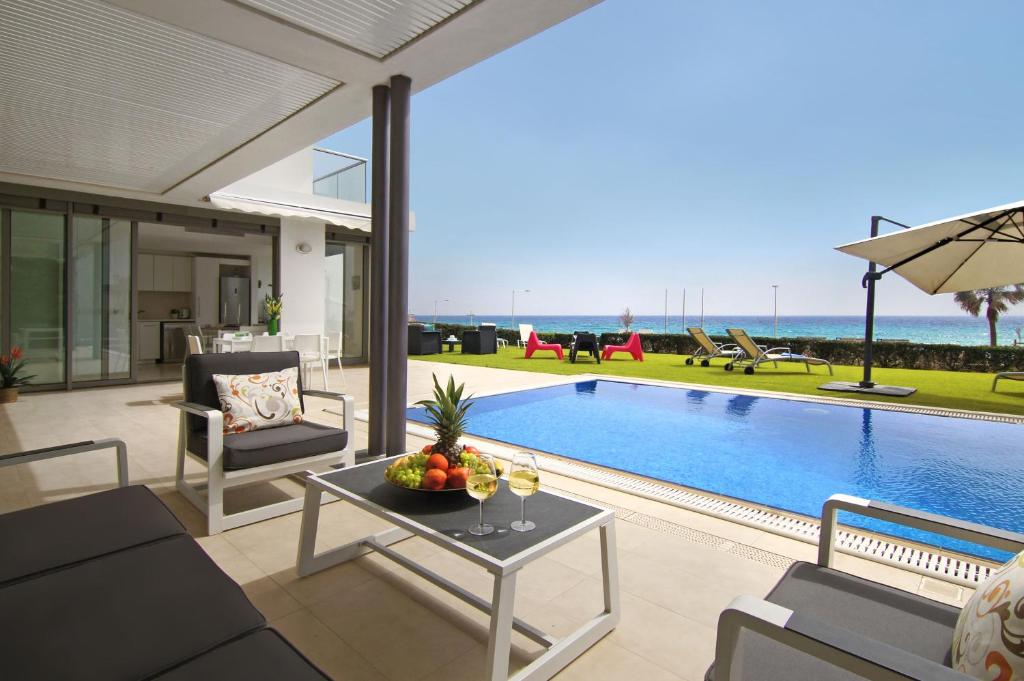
953,389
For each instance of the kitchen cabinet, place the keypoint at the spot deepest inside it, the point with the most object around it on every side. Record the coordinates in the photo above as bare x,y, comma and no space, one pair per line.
165,272
207,291
145,275
181,273
149,341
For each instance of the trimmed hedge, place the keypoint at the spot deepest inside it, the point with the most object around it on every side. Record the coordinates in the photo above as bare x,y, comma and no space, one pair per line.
977,358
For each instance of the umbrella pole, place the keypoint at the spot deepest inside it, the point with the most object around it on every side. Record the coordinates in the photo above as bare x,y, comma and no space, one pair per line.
869,314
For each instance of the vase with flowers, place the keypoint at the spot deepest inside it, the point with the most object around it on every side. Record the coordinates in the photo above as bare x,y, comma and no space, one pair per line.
12,375
272,306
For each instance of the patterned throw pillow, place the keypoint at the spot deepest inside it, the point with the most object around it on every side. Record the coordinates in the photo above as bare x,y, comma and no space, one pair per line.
989,639
255,401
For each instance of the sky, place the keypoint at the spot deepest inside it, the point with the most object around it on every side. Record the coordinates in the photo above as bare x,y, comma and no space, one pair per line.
729,146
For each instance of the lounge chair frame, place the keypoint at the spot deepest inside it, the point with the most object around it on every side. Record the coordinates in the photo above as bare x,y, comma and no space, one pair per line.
850,651
1007,375
119,446
708,349
754,355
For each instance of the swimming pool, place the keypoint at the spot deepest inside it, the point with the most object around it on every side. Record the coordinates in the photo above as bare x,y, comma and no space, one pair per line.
786,454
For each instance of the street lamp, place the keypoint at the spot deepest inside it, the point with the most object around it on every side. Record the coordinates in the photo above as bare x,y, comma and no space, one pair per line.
775,291
443,300
514,292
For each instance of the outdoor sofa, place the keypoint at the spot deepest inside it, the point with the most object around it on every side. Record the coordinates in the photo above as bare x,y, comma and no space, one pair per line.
423,342
480,341
825,624
110,586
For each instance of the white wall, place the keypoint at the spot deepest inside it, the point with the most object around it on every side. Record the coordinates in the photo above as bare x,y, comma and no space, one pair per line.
293,173
302,276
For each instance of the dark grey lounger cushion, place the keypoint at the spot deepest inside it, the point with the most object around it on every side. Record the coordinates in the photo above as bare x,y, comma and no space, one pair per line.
900,619
128,615
54,535
260,656
273,445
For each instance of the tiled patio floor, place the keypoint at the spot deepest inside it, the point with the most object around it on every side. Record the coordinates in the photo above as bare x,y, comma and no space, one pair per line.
369,619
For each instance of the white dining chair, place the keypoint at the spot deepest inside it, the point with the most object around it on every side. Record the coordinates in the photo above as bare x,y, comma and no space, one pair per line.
267,344
335,348
311,353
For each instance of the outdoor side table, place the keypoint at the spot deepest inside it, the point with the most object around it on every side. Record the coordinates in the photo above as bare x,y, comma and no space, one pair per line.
443,519
452,342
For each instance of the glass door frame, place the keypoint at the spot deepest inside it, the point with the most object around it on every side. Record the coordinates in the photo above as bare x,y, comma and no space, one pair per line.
337,238
69,291
6,330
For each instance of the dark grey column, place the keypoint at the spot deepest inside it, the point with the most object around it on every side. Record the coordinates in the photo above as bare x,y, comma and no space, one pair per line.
398,264
379,274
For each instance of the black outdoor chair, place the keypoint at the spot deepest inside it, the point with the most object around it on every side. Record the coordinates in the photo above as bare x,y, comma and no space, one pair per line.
423,342
482,341
584,341
828,625
241,458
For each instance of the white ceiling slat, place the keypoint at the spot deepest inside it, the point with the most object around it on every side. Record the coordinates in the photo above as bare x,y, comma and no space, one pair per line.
376,27
96,94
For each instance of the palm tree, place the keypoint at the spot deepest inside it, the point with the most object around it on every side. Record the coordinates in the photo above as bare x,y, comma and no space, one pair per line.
996,301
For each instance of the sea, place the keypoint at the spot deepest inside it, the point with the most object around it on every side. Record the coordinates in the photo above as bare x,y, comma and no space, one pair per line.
957,329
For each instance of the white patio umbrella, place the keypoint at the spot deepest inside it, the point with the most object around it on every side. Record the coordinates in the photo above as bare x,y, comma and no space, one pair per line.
984,249
962,253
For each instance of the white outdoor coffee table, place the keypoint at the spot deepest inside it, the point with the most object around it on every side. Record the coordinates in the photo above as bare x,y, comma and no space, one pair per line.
442,519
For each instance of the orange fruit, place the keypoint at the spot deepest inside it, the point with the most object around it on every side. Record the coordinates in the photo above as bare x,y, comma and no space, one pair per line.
437,461
434,479
457,477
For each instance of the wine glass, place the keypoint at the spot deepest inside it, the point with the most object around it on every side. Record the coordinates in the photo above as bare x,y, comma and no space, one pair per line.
481,485
524,481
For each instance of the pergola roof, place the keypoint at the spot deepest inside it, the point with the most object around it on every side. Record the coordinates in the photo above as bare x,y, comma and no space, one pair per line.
172,101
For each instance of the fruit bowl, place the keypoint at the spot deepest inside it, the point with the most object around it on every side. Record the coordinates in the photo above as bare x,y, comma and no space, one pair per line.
426,472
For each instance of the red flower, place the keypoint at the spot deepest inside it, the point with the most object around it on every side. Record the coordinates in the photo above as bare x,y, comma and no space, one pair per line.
16,352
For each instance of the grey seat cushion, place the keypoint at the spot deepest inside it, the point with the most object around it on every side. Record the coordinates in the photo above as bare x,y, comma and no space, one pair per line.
903,620
273,445
63,533
127,615
261,656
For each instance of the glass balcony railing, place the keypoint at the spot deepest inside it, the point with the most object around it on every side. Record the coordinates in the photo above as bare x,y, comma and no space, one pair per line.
338,175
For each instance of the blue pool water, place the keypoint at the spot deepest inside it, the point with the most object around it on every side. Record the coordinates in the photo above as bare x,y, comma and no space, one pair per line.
782,453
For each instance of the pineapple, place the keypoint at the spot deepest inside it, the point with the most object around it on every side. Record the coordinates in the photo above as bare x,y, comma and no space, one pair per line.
448,417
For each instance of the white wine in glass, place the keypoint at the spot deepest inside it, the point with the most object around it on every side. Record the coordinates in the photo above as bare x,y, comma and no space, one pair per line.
481,485
524,481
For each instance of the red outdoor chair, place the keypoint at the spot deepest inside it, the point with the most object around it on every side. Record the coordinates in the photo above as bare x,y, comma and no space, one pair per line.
534,344
632,346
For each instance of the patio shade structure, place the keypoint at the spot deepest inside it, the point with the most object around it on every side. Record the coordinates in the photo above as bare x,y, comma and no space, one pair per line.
976,250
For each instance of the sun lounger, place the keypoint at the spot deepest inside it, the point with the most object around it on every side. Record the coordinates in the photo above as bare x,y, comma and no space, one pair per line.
708,349
1009,376
632,346
755,355
533,344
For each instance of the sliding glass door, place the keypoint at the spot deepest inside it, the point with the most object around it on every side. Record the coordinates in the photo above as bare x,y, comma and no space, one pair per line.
346,297
37,314
101,285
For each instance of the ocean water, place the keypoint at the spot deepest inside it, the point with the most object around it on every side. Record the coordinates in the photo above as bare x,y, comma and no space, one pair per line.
783,453
958,329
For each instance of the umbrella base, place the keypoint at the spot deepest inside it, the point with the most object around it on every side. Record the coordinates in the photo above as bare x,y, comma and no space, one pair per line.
854,387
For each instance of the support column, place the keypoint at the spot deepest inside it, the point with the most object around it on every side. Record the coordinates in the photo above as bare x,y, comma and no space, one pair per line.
398,265
379,273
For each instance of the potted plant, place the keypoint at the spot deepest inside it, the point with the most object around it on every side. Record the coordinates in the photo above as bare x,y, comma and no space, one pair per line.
11,367
272,306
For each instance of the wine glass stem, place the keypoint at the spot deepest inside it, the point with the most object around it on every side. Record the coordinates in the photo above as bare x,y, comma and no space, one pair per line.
522,504
481,514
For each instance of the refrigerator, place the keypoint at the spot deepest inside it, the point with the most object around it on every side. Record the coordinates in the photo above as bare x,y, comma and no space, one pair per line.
234,301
